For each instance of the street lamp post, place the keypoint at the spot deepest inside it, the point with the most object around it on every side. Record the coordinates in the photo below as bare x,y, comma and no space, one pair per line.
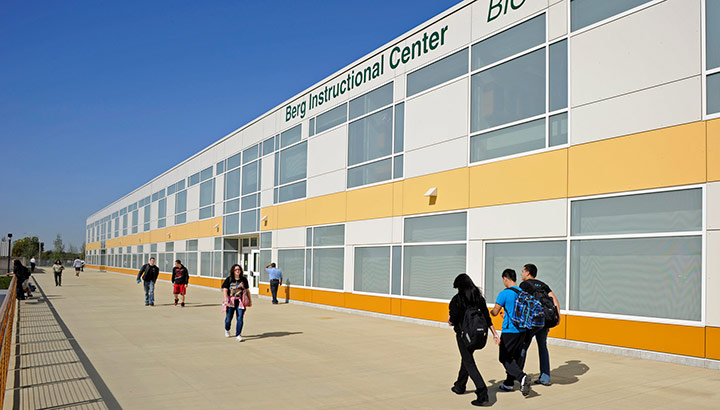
9,251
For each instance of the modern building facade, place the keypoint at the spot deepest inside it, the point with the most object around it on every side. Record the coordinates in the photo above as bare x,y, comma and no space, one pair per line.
579,135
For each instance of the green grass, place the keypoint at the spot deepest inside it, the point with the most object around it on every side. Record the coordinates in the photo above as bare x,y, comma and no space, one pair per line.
5,281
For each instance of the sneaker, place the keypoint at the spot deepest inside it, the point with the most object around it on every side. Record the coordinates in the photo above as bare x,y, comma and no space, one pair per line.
525,385
175,302
182,304
482,399
152,303
227,333
239,338
457,390
504,387
540,381
147,304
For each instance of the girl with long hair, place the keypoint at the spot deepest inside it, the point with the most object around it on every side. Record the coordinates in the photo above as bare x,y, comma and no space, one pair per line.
233,288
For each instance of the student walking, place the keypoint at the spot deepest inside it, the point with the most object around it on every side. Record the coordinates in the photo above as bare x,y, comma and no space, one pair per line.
512,339
540,291
468,297
149,274
276,278
235,295
57,271
33,263
77,264
22,276
180,280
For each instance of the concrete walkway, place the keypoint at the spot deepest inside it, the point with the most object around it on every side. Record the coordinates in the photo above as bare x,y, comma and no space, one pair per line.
300,357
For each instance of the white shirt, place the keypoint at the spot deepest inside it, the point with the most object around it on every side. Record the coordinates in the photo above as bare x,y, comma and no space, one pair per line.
32,260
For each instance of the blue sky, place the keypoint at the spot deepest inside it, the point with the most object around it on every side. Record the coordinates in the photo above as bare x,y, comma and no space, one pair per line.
98,97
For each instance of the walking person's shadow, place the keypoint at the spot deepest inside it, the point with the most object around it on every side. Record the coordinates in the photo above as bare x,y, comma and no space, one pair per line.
270,334
567,373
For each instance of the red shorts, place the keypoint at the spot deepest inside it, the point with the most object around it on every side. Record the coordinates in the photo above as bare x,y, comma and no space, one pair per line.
179,289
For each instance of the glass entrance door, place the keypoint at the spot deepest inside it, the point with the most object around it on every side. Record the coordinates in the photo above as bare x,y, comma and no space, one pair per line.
250,264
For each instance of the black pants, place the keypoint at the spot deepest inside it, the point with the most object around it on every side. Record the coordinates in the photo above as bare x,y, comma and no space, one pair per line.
273,289
512,346
468,368
58,278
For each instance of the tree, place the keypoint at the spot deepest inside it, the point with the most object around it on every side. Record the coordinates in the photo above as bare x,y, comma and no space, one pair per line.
59,247
71,249
26,247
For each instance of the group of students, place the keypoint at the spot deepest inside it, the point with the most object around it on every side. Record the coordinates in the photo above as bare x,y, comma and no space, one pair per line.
513,341
235,290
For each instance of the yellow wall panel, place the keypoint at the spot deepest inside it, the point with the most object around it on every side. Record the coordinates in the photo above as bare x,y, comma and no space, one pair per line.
396,307
713,150
397,198
660,158
369,303
532,178
370,203
271,222
424,310
712,342
326,209
328,298
559,330
291,215
452,192
657,337
92,246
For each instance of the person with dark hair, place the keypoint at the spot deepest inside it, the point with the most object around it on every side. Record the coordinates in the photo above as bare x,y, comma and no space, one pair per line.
538,288
22,274
149,274
57,271
180,280
468,296
512,339
233,288
275,276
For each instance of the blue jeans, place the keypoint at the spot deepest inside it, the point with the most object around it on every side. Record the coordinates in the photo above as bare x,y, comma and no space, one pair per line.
149,291
228,319
541,337
273,289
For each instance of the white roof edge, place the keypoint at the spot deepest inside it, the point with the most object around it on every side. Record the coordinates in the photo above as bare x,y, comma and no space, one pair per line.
327,79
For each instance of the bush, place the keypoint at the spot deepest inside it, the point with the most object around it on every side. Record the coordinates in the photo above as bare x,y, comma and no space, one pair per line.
5,281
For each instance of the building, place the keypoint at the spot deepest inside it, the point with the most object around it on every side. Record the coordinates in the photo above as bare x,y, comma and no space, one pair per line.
582,136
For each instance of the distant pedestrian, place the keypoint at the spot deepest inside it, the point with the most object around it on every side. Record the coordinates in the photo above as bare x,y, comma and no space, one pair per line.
469,297
82,265
180,280
33,263
149,274
77,264
57,271
276,278
22,276
234,288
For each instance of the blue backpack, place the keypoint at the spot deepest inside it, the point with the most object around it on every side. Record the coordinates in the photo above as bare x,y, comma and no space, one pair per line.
529,312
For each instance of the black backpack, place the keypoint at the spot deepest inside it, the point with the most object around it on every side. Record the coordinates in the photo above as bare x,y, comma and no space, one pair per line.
552,316
474,328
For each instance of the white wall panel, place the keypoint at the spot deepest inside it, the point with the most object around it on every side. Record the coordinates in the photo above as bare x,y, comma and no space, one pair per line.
193,197
713,205
457,35
266,198
526,220
349,269
441,157
399,88
397,229
437,116
372,231
476,262
326,184
657,45
671,104
289,238
712,287
557,20
481,12
267,169
327,152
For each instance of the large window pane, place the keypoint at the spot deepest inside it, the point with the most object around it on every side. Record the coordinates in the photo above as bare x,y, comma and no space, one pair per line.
248,221
207,212
550,258
651,277
509,42
399,128
712,36
329,235
370,137
162,209
181,202
207,196
327,268
674,211
396,270
371,101
292,191
217,265
586,12
266,240
429,270
231,224
293,163
292,264
508,141
372,269
443,70
232,206
290,136
558,129
268,146
713,93
229,259
234,161
206,174
265,259
508,92
558,75
206,263
370,173
191,262
250,201
250,178
232,184
327,120
251,154
436,228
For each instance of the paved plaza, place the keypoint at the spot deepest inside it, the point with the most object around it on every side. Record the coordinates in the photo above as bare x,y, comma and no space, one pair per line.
119,352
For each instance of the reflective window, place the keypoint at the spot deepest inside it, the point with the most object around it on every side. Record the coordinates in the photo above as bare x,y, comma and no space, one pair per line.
519,138
586,12
232,184
712,35
290,136
370,137
332,118
371,101
251,154
328,268
512,41
558,76
372,269
443,70
292,264
426,266
250,178
713,93
436,228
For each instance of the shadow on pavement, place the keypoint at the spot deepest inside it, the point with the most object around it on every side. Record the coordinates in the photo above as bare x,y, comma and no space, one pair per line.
568,373
270,334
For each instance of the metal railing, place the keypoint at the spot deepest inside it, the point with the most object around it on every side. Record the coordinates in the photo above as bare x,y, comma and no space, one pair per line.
7,311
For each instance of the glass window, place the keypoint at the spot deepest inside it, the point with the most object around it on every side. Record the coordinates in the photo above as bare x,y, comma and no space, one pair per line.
586,12
231,224
231,244
369,173
218,243
232,184
265,259
443,70
250,201
293,163
234,161
370,137
550,257
558,75
266,241
250,178
398,166
249,221
194,179
519,138
220,167
251,154
371,101
713,93
191,245
396,269
181,202
673,211
669,270
180,219
180,185
292,191
206,174
171,189
153,248
191,261
206,259
292,264
232,206
331,118
428,265
311,131
161,223
229,259
328,268
217,265
512,41
712,36
436,228
207,212
399,127
508,92
559,129
372,269
207,193
329,235
308,236
268,146
308,266
291,136
154,197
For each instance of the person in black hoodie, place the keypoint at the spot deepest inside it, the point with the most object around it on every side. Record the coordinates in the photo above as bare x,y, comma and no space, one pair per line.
149,274
180,280
468,296
21,275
